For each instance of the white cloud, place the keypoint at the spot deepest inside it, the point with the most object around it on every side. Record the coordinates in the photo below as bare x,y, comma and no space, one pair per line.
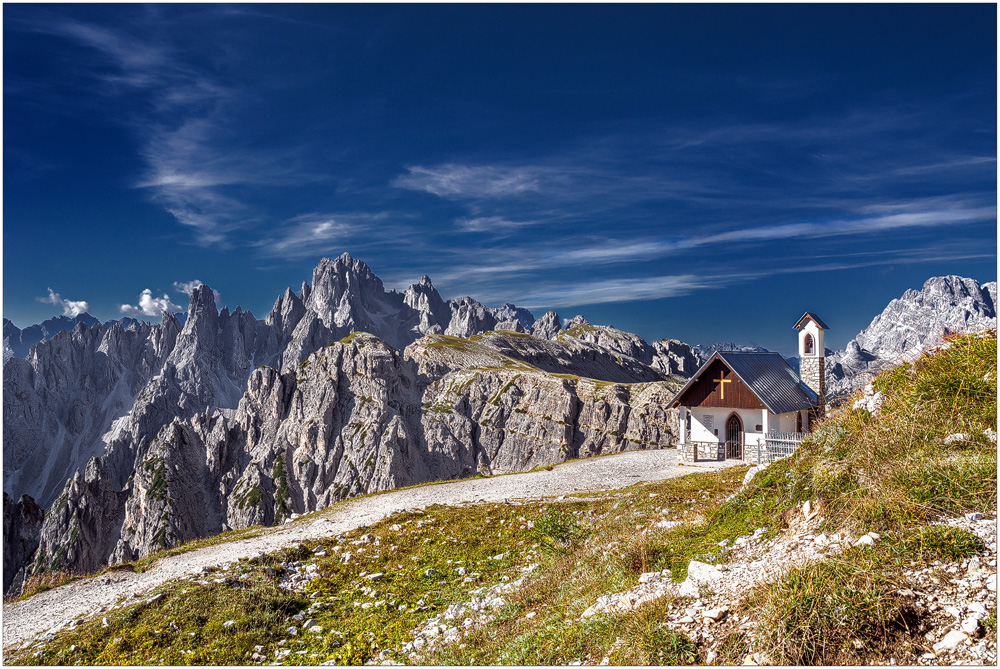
317,233
617,290
494,224
472,181
188,287
70,308
150,306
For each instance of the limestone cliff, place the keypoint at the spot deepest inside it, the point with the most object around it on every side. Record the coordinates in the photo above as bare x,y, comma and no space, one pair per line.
22,522
357,416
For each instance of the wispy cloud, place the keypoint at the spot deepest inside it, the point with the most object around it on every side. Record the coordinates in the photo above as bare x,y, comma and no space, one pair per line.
150,306
617,290
636,289
315,234
472,182
495,224
869,220
71,308
195,161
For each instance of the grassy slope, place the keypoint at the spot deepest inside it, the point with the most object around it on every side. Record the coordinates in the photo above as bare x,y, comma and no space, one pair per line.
891,472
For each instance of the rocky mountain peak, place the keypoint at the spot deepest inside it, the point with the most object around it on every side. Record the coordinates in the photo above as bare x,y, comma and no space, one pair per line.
202,324
18,342
342,290
548,326
508,312
286,313
433,312
910,324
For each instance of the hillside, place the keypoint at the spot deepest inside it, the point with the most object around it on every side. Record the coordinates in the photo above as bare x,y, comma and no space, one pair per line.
875,543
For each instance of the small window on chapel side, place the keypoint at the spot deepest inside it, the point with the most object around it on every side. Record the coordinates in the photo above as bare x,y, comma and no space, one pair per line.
809,344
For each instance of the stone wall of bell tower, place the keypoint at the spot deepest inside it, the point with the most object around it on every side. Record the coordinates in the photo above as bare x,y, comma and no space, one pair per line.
812,356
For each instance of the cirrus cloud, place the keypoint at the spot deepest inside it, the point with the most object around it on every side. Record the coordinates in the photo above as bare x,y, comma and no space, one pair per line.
472,181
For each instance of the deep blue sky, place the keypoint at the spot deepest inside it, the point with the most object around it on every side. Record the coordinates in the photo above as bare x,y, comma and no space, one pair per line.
703,172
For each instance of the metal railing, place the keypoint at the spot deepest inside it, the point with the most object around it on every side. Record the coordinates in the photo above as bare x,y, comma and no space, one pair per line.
777,445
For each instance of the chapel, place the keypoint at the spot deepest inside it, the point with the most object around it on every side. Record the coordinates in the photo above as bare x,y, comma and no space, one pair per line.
737,399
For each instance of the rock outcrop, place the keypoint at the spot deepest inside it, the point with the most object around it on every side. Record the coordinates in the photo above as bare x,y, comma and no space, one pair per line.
60,402
22,522
102,389
356,417
17,343
83,525
673,357
547,327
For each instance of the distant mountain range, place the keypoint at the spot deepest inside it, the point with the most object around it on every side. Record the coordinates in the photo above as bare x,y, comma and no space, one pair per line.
17,343
137,436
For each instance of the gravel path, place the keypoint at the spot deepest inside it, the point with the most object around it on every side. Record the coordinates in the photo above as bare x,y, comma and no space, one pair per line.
52,609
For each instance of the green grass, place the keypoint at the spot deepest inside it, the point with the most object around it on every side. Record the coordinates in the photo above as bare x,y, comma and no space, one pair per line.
815,613
893,470
849,609
452,537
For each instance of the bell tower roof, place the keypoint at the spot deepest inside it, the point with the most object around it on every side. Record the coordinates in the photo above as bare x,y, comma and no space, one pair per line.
806,317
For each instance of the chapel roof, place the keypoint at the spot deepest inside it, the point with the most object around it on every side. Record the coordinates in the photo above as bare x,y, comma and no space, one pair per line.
810,316
769,377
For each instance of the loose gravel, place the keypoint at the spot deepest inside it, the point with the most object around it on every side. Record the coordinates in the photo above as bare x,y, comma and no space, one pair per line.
53,609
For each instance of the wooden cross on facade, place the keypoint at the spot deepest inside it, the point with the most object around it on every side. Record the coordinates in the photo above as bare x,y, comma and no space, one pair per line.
722,388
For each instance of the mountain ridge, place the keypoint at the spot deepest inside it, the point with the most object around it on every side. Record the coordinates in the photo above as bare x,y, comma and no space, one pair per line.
410,388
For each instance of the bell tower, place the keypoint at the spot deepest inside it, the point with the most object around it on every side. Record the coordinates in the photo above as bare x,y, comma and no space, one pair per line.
812,356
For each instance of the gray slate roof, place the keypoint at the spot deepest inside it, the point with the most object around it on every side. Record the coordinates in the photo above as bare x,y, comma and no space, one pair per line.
768,375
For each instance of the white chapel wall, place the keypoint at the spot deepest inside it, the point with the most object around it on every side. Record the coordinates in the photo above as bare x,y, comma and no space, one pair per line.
717,417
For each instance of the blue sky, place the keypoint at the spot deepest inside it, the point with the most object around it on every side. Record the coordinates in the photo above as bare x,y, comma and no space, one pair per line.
703,172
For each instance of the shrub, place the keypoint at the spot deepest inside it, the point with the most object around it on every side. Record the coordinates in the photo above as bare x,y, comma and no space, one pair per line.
941,542
557,528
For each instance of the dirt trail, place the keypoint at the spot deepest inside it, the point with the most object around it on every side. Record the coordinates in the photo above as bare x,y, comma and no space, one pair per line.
50,610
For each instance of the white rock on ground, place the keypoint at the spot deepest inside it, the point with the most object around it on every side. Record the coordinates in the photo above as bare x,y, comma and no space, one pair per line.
967,596
951,641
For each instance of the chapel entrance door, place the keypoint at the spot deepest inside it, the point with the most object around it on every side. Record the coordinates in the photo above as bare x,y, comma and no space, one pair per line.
734,438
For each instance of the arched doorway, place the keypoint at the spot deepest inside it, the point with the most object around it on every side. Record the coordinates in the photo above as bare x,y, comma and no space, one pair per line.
734,438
